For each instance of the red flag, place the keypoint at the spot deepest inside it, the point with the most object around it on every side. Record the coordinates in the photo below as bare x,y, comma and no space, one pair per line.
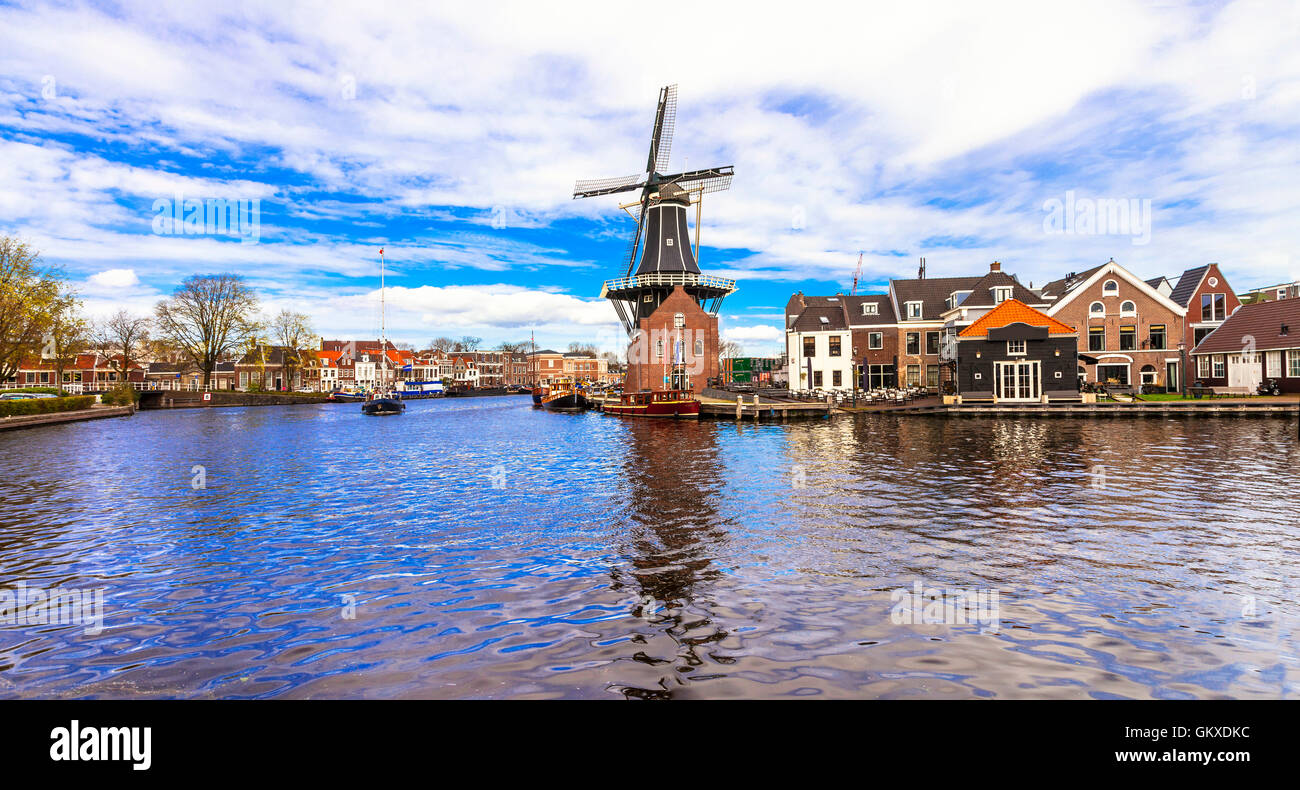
381,250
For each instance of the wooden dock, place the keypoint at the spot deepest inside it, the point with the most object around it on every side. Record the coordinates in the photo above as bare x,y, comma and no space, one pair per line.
755,408
59,417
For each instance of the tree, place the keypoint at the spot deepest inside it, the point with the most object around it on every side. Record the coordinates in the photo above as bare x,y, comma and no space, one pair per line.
586,349
469,343
123,338
730,349
28,298
207,317
515,348
68,334
292,331
443,344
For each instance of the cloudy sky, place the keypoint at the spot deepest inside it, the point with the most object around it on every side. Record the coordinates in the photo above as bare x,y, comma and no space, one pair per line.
451,136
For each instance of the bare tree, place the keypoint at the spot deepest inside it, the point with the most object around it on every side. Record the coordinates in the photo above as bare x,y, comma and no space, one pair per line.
123,338
515,348
443,344
469,343
730,349
207,317
28,296
293,331
583,348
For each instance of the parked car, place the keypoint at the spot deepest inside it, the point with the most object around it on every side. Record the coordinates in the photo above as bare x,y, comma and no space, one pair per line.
26,395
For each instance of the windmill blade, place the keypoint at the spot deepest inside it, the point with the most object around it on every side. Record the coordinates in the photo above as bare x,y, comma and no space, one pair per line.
664,140
715,179
665,114
630,253
607,186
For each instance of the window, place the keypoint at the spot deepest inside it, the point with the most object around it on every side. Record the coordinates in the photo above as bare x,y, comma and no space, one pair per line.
913,343
1203,367
1220,369
875,340
648,298
932,376
870,308
913,375
1128,336
1293,363
1097,338
837,378
659,349
1199,334
1128,308
956,298
913,310
1157,337
817,378
1001,294
1111,288
835,346
1096,308
1016,348
810,346
1281,293
932,342
699,348
679,320
1220,307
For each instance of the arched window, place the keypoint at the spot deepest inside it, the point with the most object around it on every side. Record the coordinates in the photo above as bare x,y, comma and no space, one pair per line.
1128,308
1111,288
1097,308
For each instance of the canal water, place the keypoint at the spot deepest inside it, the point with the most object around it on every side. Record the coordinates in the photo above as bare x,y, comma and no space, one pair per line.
480,548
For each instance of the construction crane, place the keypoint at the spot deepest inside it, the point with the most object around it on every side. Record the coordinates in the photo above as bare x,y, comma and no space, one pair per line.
857,275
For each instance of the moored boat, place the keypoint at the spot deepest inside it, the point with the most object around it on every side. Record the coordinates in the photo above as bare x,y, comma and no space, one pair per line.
566,396
679,404
383,406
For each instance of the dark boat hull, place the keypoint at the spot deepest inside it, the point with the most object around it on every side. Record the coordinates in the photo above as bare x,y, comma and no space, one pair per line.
383,407
572,401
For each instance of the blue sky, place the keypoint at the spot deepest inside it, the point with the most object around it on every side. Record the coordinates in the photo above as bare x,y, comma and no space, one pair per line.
452,136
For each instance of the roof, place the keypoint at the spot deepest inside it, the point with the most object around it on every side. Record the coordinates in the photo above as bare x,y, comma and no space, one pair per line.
824,317
1014,311
1262,321
982,291
1182,293
1059,287
932,293
884,309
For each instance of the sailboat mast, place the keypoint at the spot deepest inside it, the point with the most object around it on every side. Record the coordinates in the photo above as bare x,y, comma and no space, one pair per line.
383,337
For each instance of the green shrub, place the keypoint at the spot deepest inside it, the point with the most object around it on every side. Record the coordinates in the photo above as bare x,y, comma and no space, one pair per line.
15,408
39,390
121,395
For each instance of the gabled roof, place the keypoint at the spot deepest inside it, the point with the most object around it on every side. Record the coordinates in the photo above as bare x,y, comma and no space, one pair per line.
1262,321
931,292
982,291
1059,287
1014,311
884,309
1187,284
825,317
1107,269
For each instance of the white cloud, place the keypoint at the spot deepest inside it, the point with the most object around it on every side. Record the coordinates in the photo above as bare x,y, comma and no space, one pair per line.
113,278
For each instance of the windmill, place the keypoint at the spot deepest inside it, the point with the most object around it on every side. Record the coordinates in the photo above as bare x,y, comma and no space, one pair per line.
662,235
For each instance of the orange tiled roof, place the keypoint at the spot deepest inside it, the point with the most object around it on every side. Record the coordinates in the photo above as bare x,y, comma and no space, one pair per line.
1014,311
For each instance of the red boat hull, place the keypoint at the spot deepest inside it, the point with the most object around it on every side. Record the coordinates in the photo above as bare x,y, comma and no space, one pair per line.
655,404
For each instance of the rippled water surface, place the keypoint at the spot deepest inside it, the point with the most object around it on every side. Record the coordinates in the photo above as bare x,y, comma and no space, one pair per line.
480,548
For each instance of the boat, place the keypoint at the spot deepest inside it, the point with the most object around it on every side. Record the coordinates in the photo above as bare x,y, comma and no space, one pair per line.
339,396
384,400
540,393
381,406
566,395
676,404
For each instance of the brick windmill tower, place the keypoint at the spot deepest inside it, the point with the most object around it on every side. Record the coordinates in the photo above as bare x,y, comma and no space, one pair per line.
668,307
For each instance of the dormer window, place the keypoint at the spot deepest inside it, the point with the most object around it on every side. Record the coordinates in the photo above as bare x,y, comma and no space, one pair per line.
956,298
870,308
1111,288
825,321
913,311
1001,294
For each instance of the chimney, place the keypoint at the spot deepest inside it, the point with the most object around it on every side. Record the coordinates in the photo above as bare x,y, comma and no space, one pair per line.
920,275
996,266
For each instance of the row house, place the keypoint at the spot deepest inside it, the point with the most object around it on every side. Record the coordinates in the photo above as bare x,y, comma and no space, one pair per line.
819,345
1272,293
547,366
1016,353
1258,342
1209,300
89,372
